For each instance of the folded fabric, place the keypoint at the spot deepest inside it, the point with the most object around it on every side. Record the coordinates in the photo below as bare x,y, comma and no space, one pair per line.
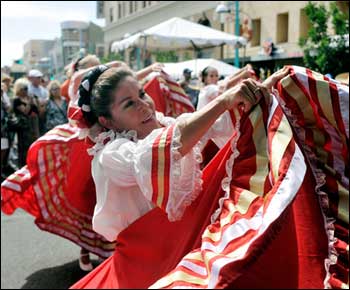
56,187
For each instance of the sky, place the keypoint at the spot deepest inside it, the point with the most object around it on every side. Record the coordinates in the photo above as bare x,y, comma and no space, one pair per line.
25,20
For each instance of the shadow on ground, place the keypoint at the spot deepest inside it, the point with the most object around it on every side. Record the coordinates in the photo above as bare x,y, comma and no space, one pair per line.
60,277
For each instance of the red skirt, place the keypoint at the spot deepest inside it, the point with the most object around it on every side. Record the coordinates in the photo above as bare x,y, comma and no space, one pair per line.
289,256
276,226
57,188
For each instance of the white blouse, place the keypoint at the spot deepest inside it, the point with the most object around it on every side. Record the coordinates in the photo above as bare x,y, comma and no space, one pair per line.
133,176
224,123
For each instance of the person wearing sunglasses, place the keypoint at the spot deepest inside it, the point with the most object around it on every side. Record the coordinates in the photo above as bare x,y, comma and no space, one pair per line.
56,108
25,122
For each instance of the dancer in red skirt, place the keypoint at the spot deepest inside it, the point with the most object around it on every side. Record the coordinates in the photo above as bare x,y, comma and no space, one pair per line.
136,127
56,185
270,210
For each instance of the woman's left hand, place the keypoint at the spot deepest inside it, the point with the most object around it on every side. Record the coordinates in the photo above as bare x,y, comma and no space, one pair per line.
275,77
157,67
244,95
243,74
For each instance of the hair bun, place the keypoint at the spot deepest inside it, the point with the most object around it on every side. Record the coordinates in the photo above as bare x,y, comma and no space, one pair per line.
85,90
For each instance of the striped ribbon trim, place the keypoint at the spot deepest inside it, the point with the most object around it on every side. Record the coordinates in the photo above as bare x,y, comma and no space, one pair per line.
161,167
318,108
54,212
177,100
247,210
15,192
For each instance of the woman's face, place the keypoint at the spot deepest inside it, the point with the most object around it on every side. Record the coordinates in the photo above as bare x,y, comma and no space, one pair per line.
23,91
212,77
132,109
55,91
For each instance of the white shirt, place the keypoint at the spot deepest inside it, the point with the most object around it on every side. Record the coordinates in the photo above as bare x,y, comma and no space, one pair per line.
122,172
40,92
5,100
224,123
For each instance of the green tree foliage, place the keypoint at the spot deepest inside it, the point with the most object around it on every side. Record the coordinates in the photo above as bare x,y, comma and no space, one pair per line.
188,56
166,56
111,57
323,52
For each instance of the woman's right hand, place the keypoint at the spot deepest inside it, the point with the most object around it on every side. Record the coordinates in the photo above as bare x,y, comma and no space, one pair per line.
157,67
243,95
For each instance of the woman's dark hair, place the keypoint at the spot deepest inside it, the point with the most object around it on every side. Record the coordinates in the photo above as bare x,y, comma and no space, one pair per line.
97,90
205,72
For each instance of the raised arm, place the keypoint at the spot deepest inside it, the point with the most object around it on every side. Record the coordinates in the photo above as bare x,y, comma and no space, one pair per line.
155,67
244,73
244,95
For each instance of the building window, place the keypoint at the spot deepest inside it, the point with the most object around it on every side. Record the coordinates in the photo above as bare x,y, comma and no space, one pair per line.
282,28
143,4
256,26
304,24
100,51
124,8
131,7
100,9
119,11
135,6
111,14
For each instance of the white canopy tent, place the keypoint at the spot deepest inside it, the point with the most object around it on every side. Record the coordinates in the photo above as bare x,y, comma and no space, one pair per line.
197,65
177,33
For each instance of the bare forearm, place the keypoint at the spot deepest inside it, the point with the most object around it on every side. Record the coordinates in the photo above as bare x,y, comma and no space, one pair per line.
141,74
242,95
155,67
193,128
235,79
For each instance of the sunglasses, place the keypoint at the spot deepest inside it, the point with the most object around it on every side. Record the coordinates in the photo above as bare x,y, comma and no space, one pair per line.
24,89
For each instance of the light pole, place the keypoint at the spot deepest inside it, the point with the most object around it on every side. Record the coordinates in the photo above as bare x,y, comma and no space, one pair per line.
237,32
80,38
78,32
222,8
222,27
82,47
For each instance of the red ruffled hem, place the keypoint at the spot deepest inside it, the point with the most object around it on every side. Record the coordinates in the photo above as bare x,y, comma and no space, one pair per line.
102,277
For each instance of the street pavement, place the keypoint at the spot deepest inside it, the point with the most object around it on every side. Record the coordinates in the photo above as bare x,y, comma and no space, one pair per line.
35,259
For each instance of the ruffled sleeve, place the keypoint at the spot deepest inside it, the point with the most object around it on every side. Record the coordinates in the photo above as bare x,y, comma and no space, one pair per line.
167,179
176,180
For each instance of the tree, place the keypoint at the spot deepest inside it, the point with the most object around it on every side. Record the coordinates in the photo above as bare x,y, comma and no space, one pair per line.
166,56
111,57
323,52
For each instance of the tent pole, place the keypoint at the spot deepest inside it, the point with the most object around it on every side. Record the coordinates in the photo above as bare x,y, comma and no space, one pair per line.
138,58
244,53
237,32
144,51
196,49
